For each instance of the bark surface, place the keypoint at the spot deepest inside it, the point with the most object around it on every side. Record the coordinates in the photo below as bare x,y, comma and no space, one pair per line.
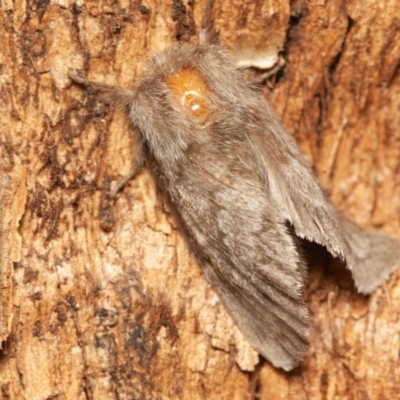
106,301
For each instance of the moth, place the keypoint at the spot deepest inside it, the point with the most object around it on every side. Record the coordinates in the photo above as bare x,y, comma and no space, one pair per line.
242,192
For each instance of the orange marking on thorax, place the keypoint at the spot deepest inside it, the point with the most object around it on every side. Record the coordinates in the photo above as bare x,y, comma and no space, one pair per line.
191,92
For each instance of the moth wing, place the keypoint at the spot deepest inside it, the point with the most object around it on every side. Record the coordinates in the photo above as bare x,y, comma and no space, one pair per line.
374,255
295,192
277,330
250,257
292,187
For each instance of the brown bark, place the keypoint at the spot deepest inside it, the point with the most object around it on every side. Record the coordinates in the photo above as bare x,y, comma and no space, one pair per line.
107,301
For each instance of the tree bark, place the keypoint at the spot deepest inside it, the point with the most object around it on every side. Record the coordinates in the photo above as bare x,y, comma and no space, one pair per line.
107,302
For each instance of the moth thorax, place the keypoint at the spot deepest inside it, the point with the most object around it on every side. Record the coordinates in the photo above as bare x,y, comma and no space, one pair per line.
190,91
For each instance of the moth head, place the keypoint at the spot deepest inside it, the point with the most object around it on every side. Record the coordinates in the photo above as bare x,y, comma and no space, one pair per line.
175,104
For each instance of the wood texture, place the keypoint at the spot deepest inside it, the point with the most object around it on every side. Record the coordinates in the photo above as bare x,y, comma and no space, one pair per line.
108,303
12,207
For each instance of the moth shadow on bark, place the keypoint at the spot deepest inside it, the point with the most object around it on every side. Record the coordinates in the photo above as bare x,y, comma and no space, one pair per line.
325,271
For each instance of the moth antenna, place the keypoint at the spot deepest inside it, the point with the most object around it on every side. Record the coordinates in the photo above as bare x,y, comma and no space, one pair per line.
208,34
109,93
